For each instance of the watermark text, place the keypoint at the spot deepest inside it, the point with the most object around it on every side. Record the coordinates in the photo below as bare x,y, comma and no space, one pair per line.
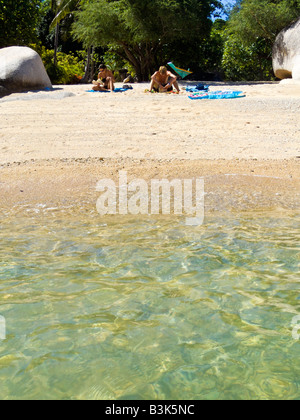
178,197
296,327
2,328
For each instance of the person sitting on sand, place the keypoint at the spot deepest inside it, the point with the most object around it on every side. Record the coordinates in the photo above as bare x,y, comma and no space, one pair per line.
105,80
163,81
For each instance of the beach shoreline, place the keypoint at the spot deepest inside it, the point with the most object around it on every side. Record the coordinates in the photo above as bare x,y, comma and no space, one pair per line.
54,149
229,185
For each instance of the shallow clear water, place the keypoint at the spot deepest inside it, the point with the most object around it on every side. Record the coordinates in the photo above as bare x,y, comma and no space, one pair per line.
150,309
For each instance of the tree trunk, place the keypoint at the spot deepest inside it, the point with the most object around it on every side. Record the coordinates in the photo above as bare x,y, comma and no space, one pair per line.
90,67
56,43
92,73
143,59
136,62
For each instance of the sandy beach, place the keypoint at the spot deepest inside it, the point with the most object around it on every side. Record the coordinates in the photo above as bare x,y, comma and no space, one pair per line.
150,307
56,145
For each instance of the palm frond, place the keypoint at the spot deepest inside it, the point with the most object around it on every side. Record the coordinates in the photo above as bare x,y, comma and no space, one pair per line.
62,8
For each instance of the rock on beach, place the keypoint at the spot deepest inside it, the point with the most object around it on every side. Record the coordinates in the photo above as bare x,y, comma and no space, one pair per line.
286,52
21,68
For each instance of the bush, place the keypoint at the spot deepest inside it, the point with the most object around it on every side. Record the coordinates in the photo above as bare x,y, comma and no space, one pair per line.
252,63
115,63
69,68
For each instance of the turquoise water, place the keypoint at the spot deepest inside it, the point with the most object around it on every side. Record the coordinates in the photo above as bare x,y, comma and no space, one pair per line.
150,308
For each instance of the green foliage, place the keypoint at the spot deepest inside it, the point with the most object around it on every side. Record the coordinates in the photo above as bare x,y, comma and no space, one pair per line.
247,62
213,47
140,30
141,35
18,21
45,36
69,69
61,9
251,33
115,63
262,19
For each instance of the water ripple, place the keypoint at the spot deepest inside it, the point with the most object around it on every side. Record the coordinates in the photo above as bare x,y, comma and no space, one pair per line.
150,308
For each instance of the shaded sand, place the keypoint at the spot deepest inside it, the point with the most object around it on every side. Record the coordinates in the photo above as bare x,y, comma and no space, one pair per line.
55,146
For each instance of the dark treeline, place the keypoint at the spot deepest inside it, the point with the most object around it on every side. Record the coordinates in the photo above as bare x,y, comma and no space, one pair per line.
217,40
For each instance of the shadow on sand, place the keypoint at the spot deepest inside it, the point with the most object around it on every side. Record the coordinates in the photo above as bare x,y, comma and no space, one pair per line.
33,94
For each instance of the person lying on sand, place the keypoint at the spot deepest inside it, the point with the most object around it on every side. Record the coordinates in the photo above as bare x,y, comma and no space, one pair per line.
163,81
105,80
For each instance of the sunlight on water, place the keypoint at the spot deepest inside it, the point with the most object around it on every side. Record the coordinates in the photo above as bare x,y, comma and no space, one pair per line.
150,309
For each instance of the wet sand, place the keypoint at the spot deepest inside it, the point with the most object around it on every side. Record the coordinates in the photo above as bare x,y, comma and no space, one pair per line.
55,146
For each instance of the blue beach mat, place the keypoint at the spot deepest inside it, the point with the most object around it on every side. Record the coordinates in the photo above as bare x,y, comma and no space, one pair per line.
109,91
225,94
197,89
98,91
122,89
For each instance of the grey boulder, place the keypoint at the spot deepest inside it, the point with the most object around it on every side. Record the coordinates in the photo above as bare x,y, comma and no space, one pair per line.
286,53
21,68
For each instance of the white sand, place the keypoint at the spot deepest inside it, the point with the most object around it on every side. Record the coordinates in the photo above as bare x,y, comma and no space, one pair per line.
56,145
263,125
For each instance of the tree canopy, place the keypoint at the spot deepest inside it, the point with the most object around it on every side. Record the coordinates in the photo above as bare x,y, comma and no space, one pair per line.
61,8
18,21
141,34
264,19
140,30
251,31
